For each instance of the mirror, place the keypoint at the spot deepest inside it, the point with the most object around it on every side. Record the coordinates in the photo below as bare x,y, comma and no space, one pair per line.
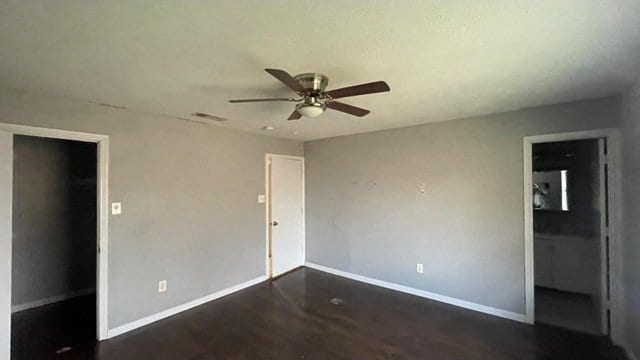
551,190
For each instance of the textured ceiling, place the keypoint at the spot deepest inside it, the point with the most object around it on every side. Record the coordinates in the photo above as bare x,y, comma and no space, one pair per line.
442,59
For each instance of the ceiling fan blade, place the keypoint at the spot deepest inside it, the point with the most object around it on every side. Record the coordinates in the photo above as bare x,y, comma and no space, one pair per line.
346,108
363,89
295,115
259,100
287,79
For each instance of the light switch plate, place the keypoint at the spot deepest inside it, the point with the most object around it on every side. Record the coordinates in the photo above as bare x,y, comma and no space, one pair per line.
116,208
261,199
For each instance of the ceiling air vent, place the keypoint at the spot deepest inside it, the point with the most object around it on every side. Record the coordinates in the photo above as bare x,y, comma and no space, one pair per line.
209,117
108,105
204,118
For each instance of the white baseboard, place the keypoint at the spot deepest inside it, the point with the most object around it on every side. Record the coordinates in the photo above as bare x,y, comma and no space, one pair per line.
422,293
180,308
51,300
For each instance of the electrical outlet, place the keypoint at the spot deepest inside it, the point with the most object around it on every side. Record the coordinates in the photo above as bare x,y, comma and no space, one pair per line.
162,286
261,199
419,268
116,208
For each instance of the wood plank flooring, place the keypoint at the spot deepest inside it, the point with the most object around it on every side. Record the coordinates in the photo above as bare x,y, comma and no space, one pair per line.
295,318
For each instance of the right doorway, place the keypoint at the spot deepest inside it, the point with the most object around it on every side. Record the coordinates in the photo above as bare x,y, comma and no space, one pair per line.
570,223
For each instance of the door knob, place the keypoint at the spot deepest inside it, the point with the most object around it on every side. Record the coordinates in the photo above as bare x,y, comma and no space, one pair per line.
275,223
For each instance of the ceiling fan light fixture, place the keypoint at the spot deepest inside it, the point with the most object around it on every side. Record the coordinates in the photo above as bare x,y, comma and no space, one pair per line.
311,109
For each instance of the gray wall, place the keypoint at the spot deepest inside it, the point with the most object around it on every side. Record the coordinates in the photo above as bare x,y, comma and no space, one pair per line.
631,233
53,254
366,214
189,194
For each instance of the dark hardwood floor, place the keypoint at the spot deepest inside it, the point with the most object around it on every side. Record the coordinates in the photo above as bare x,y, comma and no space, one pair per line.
295,318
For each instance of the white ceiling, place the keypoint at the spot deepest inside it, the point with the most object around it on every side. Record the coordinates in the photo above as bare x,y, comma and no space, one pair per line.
442,59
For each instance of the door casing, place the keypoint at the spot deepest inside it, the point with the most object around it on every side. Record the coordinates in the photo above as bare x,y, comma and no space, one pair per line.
102,246
268,220
615,215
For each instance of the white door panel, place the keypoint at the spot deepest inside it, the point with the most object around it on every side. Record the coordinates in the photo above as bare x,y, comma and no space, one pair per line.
287,214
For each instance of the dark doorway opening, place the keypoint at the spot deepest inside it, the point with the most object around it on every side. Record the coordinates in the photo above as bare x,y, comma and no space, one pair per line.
570,235
54,247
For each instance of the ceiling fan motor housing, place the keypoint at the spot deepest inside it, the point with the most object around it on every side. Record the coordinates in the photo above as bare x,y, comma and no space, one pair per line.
314,83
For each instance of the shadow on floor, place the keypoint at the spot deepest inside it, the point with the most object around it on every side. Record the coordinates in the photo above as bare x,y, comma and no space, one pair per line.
41,332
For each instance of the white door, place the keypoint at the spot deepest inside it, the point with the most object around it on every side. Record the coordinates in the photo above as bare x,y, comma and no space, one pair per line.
6,191
287,213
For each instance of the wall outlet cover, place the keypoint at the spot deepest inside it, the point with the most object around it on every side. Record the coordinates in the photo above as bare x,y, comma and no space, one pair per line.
116,208
419,268
162,286
261,199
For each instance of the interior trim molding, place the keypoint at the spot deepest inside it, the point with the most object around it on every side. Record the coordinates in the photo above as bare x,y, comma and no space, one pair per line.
51,300
180,308
422,293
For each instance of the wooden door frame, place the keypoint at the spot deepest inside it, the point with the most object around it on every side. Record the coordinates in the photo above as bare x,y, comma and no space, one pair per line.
615,215
268,228
102,226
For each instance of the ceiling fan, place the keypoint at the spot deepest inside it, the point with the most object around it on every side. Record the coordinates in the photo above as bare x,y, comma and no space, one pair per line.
314,100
